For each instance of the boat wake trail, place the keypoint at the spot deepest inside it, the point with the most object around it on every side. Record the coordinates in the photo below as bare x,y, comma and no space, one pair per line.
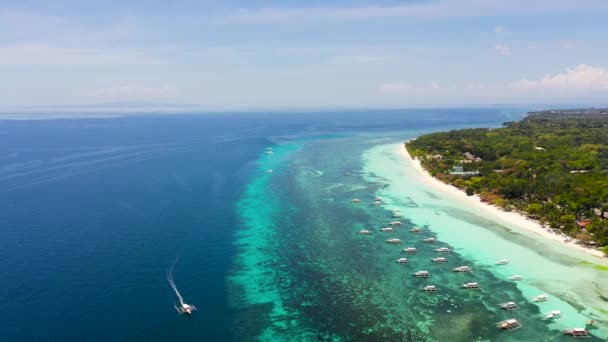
172,283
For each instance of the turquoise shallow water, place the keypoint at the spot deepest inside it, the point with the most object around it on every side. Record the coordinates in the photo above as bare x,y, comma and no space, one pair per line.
305,273
96,209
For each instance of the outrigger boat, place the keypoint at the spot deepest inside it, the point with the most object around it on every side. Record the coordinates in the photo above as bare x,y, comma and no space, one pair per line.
440,260
397,215
502,262
429,240
442,250
395,223
509,306
516,277
509,324
365,232
387,230
577,332
356,200
471,286
402,261
422,274
430,289
462,269
411,250
540,298
555,314
393,241
415,230
186,309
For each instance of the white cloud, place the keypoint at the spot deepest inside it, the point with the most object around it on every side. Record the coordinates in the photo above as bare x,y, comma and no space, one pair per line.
42,54
581,78
567,45
500,30
430,10
398,88
502,49
136,91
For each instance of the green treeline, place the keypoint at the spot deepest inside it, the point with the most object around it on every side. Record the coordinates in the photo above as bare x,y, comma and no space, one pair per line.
553,166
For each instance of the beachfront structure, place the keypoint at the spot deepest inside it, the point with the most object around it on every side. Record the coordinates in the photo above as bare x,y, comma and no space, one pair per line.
422,274
577,332
402,261
393,241
365,232
555,314
509,306
442,250
430,289
516,277
411,250
440,260
462,269
471,286
429,240
540,298
509,324
415,230
395,223
502,262
387,230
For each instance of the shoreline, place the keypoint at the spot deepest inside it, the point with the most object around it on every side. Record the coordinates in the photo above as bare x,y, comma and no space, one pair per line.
513,218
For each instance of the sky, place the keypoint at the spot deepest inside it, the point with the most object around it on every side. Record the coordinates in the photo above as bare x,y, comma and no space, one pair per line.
303,54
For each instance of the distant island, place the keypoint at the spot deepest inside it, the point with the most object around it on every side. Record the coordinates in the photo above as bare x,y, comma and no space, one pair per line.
551,166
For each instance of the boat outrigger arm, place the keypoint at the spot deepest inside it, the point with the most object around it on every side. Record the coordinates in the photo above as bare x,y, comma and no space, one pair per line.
186,309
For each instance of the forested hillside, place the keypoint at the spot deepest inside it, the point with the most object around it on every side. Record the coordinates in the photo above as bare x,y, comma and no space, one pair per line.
553,165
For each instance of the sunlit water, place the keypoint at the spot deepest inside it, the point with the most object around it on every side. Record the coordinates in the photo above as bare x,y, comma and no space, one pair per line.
95,210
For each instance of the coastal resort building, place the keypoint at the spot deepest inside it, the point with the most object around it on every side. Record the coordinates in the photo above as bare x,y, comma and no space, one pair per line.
583,224
459,171
599,213
437,157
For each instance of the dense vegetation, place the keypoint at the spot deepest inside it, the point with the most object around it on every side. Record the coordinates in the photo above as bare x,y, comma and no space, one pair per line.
553,166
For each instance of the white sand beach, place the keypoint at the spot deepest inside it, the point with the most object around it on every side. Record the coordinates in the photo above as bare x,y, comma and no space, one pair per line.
514,219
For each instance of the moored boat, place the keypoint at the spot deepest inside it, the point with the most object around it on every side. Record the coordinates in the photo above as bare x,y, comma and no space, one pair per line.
402,261
462,269
471,286
577,332
422,274
509,324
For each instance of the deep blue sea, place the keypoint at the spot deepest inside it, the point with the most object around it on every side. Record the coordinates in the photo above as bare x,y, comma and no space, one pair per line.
95,210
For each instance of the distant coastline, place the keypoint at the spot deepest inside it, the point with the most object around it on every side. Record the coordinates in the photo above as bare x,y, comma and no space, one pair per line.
514,218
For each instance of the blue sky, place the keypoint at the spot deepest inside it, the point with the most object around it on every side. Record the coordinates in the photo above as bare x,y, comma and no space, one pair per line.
261,54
